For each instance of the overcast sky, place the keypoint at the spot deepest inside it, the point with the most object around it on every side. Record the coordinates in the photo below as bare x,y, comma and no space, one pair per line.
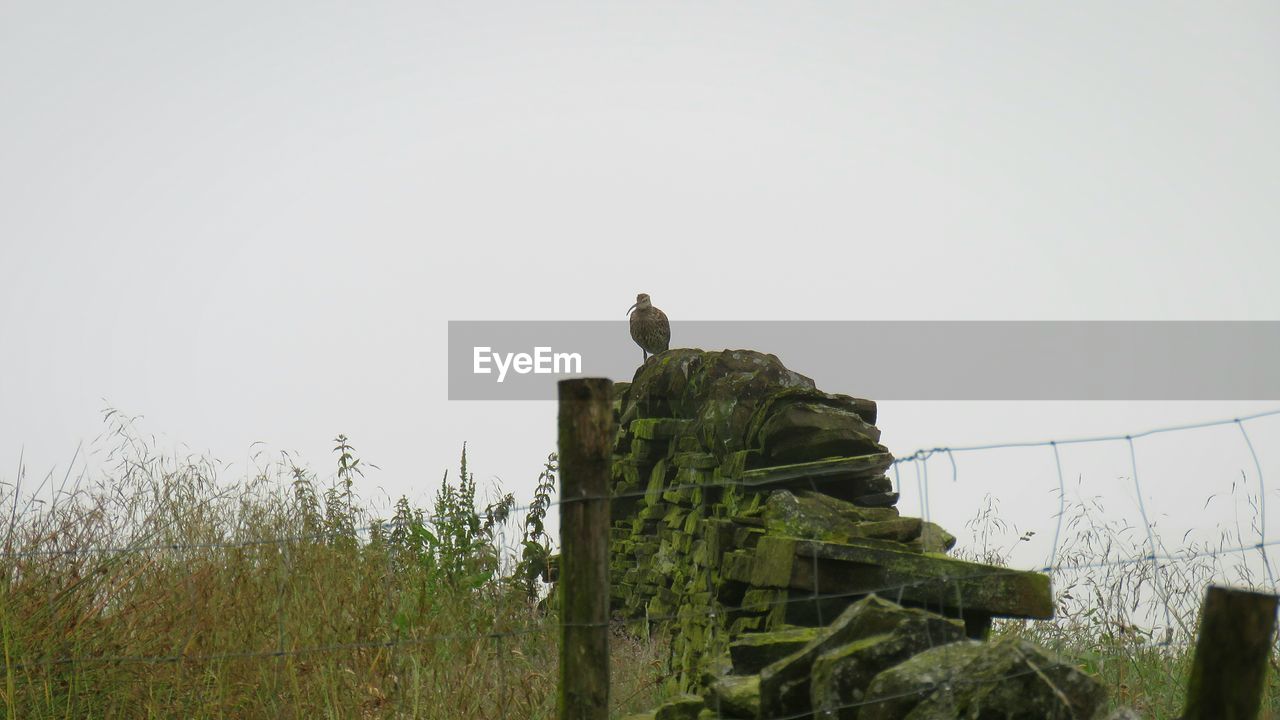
251,221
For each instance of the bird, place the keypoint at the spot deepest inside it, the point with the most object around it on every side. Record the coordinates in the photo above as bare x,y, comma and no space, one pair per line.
649,327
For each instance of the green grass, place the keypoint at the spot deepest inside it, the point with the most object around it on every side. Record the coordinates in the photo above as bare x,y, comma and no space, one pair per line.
163,591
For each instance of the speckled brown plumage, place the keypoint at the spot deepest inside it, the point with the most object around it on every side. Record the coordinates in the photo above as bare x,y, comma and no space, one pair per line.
649,327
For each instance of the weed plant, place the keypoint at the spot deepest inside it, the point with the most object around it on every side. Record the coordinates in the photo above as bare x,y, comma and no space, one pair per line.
160,591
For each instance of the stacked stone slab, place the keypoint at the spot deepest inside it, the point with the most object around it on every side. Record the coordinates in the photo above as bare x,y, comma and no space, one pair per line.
752,513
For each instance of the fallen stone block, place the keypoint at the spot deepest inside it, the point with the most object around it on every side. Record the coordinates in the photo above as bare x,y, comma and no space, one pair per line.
681,707
785,685
736,696
866,566
841,676
1005,678
751,653
896,691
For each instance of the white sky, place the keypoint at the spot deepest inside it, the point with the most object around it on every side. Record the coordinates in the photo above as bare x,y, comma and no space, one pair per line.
251,221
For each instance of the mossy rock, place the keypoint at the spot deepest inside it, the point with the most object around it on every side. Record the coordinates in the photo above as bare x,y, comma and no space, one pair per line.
848,509
776,402
865,566
1007,678
682,707
800,432
933,539
841,676
718,390
817,516
748,491
751,653
786,684
902,530
895,692
736,696
856,479
657,428
696,460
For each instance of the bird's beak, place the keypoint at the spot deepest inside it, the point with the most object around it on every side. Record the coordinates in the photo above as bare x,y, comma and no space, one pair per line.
633,307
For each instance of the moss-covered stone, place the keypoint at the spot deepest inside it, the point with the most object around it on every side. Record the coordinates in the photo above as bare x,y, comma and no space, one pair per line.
1006,678
815,516
792,515
839,476
718,390
736,696
847,509
785,685
799,432
772,562
747,501
901,529
735,463
682,707
737,565
696,460
649,450
933,539
657,482
840,676
663,428
864,566
751,653
864,409
894,692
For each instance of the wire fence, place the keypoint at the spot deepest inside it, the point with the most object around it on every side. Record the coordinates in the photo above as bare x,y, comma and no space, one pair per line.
918,462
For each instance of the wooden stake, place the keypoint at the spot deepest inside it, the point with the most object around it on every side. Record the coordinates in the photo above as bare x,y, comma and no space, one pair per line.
586,436
1237,628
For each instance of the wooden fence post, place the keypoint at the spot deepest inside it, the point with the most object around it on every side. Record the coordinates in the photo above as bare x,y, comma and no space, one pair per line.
585,439
1237,628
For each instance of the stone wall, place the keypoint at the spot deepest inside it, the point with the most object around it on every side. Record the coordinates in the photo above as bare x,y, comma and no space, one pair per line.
752,519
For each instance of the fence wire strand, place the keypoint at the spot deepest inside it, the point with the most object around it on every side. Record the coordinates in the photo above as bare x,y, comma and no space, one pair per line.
898,590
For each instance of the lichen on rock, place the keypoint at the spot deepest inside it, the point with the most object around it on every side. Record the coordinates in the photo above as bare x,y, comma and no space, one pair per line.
753,517
1008,678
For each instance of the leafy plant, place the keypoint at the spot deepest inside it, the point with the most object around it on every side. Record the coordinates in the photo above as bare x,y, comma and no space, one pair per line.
154,588
455,546
535,545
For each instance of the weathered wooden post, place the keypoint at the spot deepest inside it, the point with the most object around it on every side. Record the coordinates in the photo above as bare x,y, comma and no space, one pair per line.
585,438
1237,628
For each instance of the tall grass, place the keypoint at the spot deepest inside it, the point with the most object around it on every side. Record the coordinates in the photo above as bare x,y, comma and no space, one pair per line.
1129,621
159,590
